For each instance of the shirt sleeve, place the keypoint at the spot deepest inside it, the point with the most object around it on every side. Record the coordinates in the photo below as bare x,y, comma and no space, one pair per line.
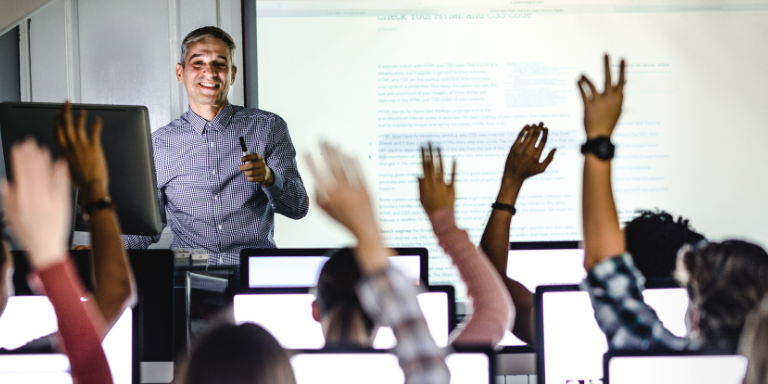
79,324
492,307
143,242
390,299
287,194
615,288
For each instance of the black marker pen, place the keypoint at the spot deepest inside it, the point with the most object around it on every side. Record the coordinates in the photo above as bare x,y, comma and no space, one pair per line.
244,147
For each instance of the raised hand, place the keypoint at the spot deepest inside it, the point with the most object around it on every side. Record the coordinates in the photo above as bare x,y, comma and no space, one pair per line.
255,169
435,192
84,155
38,203
342,195
602,110
523,159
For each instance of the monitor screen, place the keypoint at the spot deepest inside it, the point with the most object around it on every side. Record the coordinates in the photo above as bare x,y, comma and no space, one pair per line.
532,267
574,345
289,318
728,369
35,369
380,368
27,318
303,271
126,139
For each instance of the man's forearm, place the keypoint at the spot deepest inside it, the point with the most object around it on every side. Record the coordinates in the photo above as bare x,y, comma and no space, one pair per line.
114,288
602,235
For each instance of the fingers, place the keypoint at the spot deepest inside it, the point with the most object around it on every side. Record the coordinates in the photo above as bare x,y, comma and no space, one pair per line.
550,157
521,136
591,86
427,164
80,128
580,85
98,124
334,163
608,83
533,136
620,86
439,170
453,173
543,141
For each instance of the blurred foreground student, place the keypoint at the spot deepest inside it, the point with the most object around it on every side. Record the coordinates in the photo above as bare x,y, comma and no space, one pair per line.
725,281
249,354
341,314
114,289
39,212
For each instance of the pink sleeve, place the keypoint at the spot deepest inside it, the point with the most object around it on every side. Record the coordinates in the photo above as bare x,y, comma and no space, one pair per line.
493,310
79,324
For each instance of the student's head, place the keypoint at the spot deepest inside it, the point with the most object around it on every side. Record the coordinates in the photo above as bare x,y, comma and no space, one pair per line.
725,281
653,239
238,354
754,344
6,275
337,307
206,66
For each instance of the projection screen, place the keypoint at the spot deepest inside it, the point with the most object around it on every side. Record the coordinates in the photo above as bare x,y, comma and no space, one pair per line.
381,78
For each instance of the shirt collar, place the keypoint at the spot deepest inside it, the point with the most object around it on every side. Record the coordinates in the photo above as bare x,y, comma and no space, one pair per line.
220,122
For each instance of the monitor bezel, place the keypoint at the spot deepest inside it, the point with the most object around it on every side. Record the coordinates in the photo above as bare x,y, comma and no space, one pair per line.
125,190
658,353
247,253
456,349
540,291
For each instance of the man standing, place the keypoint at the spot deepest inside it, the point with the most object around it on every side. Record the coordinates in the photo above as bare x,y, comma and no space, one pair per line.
218,199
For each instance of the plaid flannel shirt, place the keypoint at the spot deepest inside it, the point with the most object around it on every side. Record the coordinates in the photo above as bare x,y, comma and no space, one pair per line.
615,288
390,299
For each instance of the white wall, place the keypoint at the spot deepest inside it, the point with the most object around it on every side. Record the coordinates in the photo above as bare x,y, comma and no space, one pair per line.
117,52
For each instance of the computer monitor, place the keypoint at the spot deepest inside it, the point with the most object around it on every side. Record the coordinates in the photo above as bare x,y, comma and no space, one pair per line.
288,316
530,263
139,347
127,143
300,267
35,369
570,343
27,318
381,367
673,368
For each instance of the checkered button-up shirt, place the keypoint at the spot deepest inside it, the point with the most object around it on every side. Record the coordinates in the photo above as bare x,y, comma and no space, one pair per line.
211,204
615,287
390,300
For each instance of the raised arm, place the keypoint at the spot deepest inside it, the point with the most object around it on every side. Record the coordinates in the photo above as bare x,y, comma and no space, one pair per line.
493,310
38,208
114,288
522,163
602,235
388,297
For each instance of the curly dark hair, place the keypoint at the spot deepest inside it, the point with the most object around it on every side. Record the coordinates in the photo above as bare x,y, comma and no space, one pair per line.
653,239
726,281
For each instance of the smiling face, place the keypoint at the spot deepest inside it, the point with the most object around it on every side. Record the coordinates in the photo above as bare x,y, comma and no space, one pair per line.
207,74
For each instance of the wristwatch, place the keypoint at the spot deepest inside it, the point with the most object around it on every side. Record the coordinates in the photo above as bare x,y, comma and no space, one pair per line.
600,146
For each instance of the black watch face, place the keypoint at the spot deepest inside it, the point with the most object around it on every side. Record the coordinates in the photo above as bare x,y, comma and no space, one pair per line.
603,149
